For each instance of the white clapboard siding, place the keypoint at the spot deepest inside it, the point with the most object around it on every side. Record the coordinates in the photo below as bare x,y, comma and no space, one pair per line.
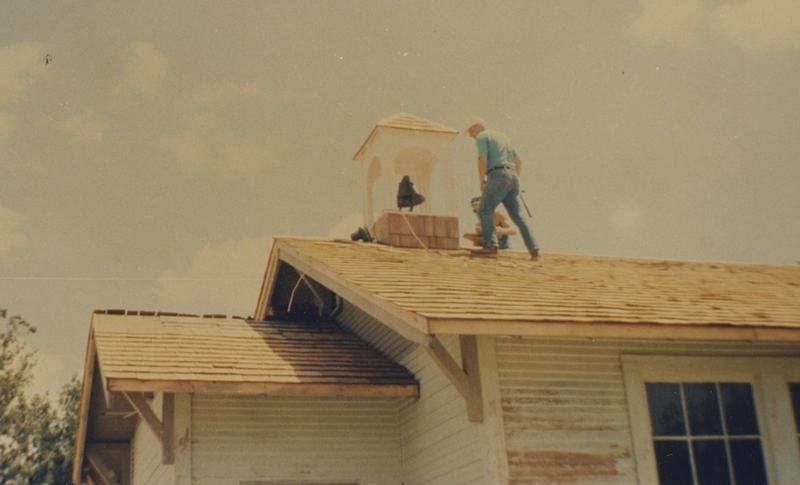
294,439
146,454
564,406
440,446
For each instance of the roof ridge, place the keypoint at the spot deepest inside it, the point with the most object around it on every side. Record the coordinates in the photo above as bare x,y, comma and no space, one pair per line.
405,120
152,313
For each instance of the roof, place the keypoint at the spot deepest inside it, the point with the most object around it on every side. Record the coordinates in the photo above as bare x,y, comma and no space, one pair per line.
142,352
219,355
410,122
427,292
405,121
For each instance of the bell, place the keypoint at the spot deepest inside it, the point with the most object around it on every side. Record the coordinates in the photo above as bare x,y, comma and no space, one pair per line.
407,196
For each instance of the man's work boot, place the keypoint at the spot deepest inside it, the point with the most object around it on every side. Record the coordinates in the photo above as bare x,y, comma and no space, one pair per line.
534,254
486,251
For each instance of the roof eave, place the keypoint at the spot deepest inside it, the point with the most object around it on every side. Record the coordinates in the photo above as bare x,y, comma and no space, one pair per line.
374,133
409,389
268,285
615,330
83,409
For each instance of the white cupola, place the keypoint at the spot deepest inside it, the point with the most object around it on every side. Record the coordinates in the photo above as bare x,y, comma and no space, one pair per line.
400,145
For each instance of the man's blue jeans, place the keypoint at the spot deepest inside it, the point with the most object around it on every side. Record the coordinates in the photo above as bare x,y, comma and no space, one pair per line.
502,186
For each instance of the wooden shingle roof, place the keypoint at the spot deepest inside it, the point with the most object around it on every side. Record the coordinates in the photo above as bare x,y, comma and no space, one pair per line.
422,293
192,354
409,122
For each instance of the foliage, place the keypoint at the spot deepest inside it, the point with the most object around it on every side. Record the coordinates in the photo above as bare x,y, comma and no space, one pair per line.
36,437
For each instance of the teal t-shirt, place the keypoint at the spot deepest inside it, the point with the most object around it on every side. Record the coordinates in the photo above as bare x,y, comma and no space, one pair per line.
497,149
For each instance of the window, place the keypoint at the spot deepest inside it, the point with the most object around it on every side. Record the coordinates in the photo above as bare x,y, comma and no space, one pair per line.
705,433
794,391
714,421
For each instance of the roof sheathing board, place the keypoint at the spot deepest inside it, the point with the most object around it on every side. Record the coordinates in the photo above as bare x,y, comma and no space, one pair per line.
454,292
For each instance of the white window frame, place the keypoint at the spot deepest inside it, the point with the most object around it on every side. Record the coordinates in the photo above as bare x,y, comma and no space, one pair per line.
770,378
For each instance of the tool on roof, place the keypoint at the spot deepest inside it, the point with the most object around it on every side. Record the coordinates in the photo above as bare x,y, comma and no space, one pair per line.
523,203
362,234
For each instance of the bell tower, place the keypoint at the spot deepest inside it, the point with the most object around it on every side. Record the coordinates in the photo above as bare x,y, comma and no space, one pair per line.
400,145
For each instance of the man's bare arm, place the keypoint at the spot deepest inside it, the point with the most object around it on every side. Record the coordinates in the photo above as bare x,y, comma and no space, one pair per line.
518,165
483,164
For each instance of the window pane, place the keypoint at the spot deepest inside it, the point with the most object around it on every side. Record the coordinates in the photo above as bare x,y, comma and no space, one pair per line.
666,411
672,458
711,462
794,390
702,407
748,462
739,409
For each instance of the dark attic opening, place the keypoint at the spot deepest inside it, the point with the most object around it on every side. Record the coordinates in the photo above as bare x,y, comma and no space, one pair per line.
298,297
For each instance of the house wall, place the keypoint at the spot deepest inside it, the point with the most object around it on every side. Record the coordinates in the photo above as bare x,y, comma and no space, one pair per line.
565,413
270,439
440,446
146,454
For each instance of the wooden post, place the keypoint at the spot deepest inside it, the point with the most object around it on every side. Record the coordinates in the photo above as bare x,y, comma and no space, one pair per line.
495,457
466,380
168,428
183,439
469,359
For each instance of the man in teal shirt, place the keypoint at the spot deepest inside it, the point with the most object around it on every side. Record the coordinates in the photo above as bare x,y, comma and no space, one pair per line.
498,167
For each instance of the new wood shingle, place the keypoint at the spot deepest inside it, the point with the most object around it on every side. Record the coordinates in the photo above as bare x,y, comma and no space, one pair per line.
192,354
441,291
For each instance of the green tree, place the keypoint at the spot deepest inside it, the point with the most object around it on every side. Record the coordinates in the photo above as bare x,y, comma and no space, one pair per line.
36,438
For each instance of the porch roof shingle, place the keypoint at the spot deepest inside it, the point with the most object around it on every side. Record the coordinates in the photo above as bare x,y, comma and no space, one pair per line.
193,354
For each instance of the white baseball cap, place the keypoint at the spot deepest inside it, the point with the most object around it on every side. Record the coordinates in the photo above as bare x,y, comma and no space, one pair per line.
475,120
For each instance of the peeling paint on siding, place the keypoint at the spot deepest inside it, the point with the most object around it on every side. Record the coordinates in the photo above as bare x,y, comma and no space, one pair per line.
565,410
555,466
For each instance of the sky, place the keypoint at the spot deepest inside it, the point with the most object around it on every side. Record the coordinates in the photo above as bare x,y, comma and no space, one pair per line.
150,150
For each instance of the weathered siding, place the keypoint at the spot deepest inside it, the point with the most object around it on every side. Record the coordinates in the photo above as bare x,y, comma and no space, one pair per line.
564,406
440,446
262,438
146,454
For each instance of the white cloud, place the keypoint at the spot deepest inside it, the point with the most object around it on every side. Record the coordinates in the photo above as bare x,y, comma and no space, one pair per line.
85,127
144,73
627,219
10,237
212,137
200,148
759,24
346,226
211,93
241,155
47,376
193,148
674,22
223,277
21,65
751,25
7,124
